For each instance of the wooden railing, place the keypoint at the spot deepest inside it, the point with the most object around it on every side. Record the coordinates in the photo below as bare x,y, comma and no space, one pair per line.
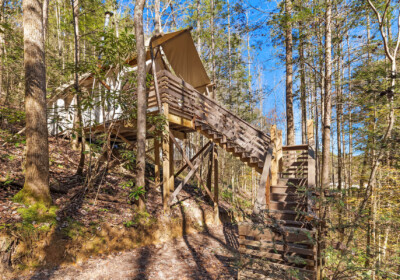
185,101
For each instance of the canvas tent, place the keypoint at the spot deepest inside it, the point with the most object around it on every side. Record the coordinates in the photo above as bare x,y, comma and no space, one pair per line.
174,52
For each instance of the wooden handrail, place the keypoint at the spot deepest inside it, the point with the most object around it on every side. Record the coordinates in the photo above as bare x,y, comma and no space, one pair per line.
295,147
167,74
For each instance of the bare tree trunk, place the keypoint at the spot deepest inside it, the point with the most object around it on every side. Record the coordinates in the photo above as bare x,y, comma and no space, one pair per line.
248,57
157,18
326,135
78,122
303,96
141,99
36,187
339,113
212,48
350,109
229,57
326,124
289,76
1,50
45,18
198,27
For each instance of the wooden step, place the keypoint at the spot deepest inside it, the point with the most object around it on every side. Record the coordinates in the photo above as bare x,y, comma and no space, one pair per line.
289,223
265,232
291,258
283,189
274,205
277,246
288,215
264,269
292,182
254,159
287,197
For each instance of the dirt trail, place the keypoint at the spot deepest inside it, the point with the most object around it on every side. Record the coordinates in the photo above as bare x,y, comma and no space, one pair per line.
208,255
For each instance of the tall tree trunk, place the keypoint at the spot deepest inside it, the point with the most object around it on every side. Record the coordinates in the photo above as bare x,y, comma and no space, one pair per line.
1,50
339,113
36,187
326,133
212,48
198,22
350,109
78,121
45,18
230,101
157,18
289,75
326,124
248,60
303,96
141,99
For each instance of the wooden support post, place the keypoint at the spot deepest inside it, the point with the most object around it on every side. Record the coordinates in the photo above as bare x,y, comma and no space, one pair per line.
261,202
279,153
310,132
274,161
193,170
216,186
310,167
192,159
157,166
166,160
210,168
171,167
190,165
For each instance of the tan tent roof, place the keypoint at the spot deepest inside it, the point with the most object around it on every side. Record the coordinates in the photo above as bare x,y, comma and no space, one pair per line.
180,53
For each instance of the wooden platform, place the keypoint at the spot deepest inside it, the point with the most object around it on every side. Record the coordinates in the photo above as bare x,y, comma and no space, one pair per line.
190,111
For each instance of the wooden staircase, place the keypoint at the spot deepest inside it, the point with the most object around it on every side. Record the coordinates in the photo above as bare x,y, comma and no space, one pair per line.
213,121
280,242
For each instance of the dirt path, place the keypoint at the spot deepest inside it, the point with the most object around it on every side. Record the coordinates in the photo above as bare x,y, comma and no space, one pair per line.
208,255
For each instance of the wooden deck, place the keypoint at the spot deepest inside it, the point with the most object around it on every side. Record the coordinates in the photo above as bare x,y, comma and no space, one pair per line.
189,111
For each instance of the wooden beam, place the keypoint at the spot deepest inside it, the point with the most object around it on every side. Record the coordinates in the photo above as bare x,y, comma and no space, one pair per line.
216,186
171,167
274,161
261,202
190,165
310,132
166,160
310,168
192,159
179,135
210,168
189,175
157,166
181,121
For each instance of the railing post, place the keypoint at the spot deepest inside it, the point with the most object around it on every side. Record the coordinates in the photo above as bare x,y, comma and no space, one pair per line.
261,202
166,159
216,186
276,163
157,166
311,166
